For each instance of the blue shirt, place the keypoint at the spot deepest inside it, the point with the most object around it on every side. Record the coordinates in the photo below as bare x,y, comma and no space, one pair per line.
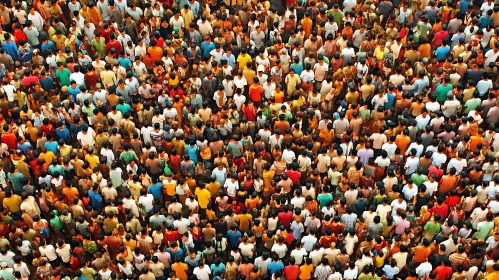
123,108
442,52
298,68
11,49
125,62
230,59
75,128
483,22
207,48
52,146
25,147
464,6
455,39
391,100
155,190
63,134
48,48
233,237
73,92
96,199
192,152
174,255
390,271
274,267
47,83
215,269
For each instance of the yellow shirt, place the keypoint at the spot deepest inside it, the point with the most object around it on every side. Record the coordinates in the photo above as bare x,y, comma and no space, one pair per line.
170,187
93,160
244,221
379,261
210,214
47,156
13,203
204,197
243,60
379,54
306,271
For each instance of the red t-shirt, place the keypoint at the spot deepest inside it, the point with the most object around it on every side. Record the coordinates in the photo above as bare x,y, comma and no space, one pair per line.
452,200
291,272
10,140
442,210
294,176
250,113
172,236
285,218
443,272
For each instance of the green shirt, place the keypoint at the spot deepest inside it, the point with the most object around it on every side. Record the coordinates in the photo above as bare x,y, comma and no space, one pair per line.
419,179
432,227
100,47
88,272
128,156
364,113
57,223
63,76
442,92
324,199
483,230
471,104
89,110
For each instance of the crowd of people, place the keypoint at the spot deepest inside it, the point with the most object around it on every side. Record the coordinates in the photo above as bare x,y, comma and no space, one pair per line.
249,140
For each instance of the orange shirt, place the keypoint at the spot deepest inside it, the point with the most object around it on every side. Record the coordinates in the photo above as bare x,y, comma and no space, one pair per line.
348,32
70,193
474,141
421,254
403,143
255,93
307,23
155,52
447,183
279,97
180,270
425,50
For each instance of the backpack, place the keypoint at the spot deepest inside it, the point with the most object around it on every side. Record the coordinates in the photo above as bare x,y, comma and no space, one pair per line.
388,60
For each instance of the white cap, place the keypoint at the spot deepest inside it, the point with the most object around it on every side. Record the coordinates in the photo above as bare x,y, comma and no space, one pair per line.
3,264
260,68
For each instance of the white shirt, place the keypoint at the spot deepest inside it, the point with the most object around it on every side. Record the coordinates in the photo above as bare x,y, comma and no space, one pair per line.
49,252
132,205
280,250
78,77
298,255
431,188
308,242
424,269
396,205
64,253
411,164
147,201
202,273
458,164
438,159
389,148
288,156
231,187
298,202
246,249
